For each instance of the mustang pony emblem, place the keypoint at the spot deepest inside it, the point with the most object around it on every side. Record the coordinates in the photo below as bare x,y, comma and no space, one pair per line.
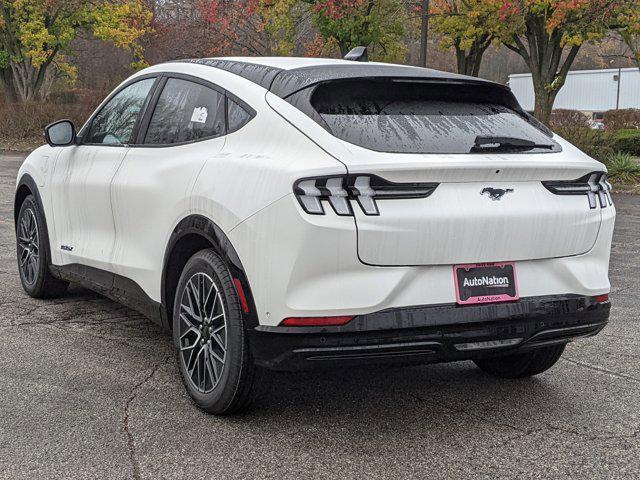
495,193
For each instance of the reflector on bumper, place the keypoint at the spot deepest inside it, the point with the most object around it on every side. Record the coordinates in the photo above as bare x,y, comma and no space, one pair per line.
316,321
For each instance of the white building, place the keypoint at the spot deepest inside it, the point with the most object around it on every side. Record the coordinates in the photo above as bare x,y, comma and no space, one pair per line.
590,91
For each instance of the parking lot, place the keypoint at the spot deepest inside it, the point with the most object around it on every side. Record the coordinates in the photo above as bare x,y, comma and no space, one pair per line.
90,389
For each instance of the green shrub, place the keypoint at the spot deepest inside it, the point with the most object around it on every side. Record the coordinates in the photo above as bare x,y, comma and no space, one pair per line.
626,141
623,168
595,143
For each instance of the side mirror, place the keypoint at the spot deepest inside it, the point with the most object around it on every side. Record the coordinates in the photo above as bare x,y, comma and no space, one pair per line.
60,134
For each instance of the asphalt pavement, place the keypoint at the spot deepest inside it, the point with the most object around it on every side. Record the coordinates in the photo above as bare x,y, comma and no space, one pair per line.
90,389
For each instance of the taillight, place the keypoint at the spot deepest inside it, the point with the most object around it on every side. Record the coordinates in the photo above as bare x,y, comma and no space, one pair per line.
592,185
316,321
602,298
339,190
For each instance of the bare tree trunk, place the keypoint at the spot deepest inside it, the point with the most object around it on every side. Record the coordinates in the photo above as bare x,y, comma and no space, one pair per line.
542,51
6,82
47,84
469,63
28,80
633,43
461,60
544,104
424,34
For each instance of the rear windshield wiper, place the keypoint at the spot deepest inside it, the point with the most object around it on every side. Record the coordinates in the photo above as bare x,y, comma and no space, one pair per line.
502,144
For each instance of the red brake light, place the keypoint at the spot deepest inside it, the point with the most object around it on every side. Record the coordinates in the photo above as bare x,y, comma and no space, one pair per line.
602,298
316,321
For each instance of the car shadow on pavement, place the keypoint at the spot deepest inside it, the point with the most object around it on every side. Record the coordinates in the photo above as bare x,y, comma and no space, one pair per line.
394,401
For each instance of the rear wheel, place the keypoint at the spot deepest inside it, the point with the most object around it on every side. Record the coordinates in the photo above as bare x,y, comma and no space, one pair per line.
212,346
33,261
522,365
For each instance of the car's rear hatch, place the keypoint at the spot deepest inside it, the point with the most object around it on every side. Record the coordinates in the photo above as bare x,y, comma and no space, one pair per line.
516,218
489,205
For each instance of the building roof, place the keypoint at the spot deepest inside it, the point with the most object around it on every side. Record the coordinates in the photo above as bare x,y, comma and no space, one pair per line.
285,76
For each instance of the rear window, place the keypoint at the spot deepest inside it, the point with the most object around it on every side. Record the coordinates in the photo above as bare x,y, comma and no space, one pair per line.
419,117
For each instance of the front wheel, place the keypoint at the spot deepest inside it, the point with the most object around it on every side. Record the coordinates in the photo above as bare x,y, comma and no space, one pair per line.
521,365
212,346
33,259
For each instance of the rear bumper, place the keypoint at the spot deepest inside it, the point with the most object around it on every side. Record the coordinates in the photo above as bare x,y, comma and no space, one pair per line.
431,334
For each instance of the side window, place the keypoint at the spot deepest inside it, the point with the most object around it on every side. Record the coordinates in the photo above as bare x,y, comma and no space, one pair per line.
186,111
238,116
114,123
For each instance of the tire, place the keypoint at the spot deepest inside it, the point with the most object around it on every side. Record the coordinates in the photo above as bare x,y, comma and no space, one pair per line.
522,365
32,253
219,374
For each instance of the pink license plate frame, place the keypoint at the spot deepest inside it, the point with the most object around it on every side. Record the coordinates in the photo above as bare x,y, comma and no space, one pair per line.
502,295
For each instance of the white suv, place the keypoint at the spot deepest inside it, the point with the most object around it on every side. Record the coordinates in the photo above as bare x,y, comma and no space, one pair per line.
287,213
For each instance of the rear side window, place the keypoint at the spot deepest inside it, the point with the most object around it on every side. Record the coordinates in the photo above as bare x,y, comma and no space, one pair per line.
415,117
238,116
185,112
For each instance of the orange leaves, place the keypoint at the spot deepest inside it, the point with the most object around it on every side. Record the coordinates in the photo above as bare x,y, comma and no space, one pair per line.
337,9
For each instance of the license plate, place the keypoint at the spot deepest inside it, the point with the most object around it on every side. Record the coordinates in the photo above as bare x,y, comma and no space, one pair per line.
485,282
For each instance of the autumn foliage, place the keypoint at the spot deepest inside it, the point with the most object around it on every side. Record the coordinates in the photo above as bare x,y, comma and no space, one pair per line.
36,33
239,26
36,36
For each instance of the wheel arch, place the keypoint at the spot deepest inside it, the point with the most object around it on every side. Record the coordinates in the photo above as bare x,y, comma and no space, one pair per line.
27,186
193,234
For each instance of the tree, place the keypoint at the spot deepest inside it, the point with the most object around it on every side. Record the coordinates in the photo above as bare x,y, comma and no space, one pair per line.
34,35
379,24
255,27
467,26
240,26
548,34
629,28
425,7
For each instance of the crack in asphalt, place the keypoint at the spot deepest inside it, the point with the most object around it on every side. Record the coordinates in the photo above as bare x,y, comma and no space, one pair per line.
553,432
596,368
475,416
109,338
75,314
525,432
118,320
131,444
129,342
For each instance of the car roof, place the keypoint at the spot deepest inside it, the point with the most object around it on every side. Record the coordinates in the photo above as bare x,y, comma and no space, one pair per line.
285,76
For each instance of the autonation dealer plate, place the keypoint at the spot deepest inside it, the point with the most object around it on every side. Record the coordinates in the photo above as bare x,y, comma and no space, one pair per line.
485,282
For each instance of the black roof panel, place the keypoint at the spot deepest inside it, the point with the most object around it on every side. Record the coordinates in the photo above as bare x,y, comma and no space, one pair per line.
263,75
284,83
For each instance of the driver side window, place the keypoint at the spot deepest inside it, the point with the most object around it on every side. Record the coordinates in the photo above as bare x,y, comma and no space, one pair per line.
115,122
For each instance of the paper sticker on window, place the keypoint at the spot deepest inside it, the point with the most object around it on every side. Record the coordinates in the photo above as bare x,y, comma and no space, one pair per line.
200,115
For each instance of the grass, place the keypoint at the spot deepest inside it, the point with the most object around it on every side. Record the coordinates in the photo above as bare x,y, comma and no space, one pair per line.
624,171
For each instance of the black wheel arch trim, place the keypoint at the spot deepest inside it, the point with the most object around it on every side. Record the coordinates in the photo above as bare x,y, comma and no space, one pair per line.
27,181
127,291
210,231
